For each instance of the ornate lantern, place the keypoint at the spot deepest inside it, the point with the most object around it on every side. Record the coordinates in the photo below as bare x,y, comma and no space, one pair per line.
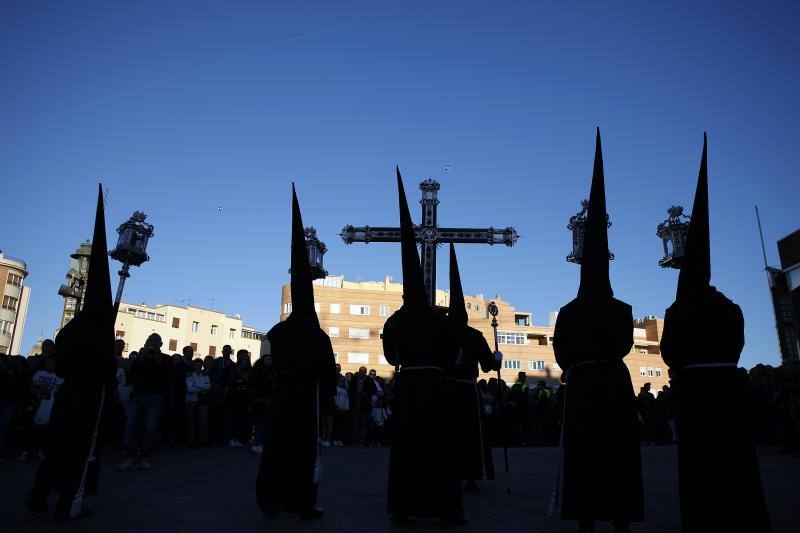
131,248
577,225
316,249
674,232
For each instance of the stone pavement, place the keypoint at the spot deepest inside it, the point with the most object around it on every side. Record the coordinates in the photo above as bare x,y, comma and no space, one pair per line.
211,489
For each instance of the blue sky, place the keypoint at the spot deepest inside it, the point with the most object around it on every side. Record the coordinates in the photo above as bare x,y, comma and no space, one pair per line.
181,107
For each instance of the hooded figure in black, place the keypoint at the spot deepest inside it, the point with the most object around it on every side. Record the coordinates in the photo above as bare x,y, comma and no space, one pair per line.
472,452
422,478
593,333
718,473
305,375
85,359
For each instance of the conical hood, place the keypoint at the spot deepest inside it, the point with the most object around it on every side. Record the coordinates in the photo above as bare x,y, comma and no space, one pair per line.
413,286
458,310
301,284
695,275
97,300
595,283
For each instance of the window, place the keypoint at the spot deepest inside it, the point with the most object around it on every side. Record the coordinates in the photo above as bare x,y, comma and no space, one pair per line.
642,371
11,303
469,305
333,331
384,310
14,279
641,350
359,333
213,329
382,360
194,347
231,333
120,334
176,322
358,357
173,345
5,327
504,337
658,372
212,351
556,367
287,308
149,315
650,372
195,326
512,364
316,307
252,335
477,307
359,309
336,356
380,333
537,365
336,309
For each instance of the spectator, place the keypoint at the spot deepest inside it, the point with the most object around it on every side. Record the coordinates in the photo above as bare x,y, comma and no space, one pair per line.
362,388
262,381
219,425
647,414
379,420
197,389
237,401
44,386
520,397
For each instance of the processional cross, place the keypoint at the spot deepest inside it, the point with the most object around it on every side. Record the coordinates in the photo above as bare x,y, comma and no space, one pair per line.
429,235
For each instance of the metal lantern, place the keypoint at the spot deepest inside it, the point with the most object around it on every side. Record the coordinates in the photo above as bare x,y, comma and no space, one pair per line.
674,233
577,225
131,248
316,249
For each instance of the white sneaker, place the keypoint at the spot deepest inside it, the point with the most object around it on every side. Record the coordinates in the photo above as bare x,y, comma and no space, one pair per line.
234,443
325,444
257,449
41,456
127,464
338,443
23,456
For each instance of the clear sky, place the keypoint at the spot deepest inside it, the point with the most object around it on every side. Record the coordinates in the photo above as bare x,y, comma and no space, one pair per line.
181,107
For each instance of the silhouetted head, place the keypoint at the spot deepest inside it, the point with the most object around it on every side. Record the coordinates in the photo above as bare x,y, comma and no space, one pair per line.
188,352
243,357
414,295
595,284
372,373
695,277
119,347
227,351
48,348
522,376
154,342
362,370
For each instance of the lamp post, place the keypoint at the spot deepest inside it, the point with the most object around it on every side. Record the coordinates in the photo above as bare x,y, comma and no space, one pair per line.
131,249
577,225
316,249
674,232
76,278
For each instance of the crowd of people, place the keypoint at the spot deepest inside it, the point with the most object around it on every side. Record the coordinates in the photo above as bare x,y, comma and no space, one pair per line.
186,400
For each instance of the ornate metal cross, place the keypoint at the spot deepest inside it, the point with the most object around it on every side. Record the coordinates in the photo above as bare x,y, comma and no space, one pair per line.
430,235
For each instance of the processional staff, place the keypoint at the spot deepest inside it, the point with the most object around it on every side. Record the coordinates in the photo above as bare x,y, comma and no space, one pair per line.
493,310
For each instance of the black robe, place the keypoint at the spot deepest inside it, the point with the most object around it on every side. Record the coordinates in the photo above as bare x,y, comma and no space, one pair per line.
718,471
472,453
602,459
422,478
302,358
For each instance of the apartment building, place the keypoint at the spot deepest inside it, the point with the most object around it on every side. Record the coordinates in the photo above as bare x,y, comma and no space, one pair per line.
353,314
14,298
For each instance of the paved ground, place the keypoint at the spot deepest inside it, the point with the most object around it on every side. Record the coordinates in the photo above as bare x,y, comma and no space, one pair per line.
212,490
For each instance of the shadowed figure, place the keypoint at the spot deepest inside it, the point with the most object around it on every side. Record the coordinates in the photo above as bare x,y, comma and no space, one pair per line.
305,374
472,453
85,359
422,478
593,333
718,473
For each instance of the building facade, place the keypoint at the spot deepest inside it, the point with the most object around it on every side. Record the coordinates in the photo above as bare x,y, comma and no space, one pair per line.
784,285
14,299
205,330
353,314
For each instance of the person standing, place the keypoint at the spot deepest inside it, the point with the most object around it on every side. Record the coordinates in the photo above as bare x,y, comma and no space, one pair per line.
423,479
473,454
594,332
302,355
85,360
237,401
718,473
362,389
262,382
197,388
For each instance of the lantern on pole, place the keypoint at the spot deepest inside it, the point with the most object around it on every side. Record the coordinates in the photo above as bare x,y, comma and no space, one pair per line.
131,248
316,249
577,225
674,232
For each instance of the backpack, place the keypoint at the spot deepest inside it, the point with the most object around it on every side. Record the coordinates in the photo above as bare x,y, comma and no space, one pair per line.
342,400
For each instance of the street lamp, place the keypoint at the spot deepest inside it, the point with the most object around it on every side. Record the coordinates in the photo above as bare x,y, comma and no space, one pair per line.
673,233
316,249
76,279
577,225
131,248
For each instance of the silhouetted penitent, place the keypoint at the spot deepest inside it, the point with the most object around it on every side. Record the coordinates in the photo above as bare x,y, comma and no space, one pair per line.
472,452
304,365
422,477
85,359
720,482
593,333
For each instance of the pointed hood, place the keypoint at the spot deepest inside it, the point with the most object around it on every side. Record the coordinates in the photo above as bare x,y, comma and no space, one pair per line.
414,294
301,284
695,276
595,283
458,310
85,346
